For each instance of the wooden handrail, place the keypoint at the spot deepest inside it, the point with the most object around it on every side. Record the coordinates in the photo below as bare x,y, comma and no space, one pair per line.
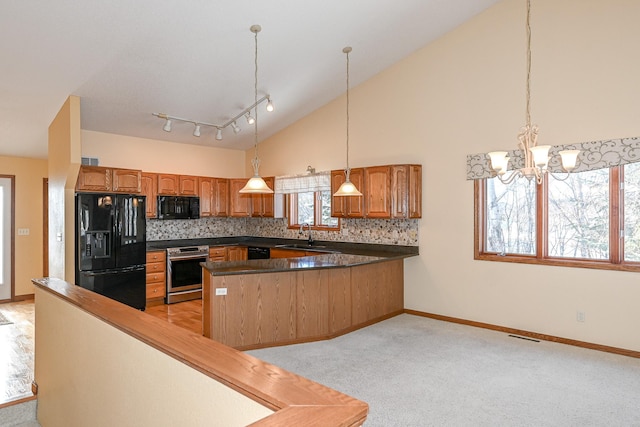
296,400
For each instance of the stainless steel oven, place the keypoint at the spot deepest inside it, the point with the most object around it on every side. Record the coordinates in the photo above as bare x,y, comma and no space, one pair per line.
184,273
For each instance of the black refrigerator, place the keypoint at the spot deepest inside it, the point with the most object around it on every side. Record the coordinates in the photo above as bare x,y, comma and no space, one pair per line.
111,246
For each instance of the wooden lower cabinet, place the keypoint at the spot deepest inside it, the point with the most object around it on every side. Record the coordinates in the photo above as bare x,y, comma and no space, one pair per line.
237,253
260,310
156,277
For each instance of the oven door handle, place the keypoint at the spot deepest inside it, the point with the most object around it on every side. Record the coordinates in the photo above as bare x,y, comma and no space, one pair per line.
181,257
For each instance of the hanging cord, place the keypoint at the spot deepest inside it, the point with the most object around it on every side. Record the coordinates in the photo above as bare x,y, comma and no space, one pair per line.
347,50
255,93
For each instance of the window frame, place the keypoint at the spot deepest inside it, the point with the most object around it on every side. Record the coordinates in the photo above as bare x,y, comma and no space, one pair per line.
616,259
292,209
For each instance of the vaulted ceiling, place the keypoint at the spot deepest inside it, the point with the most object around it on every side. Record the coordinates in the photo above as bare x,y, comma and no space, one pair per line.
195,59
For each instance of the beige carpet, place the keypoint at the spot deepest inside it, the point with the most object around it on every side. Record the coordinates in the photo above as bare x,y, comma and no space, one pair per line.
415,371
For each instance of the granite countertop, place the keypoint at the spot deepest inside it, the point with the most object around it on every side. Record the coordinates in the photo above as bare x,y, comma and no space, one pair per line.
333,260
372,250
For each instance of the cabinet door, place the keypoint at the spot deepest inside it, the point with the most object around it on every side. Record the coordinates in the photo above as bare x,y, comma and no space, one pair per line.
126,180
415,191
221,197
206,196
168,184
149,188
262,204
188,185
400,191
240,204
338,204
236,253
286,253
377,195
94,178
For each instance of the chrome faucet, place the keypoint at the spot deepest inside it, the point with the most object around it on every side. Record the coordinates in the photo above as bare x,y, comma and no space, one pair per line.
310,240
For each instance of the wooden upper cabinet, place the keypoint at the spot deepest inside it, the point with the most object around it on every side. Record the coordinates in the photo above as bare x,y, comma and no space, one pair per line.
126,180
94,178
406,191
149,188
377,193
206,196
347,206
188,185
239,204
263,204
98,178
168,184
221,197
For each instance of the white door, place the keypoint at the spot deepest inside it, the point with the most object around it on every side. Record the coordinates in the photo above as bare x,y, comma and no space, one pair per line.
5,237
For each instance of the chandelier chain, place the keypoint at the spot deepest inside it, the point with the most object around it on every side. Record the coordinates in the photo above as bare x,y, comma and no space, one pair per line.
528,94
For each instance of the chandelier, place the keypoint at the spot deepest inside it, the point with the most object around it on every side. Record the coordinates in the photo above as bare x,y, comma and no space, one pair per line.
536,157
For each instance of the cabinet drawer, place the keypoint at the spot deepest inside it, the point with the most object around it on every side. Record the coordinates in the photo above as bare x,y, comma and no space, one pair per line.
156,256
155,290
156,267
156,278
218,253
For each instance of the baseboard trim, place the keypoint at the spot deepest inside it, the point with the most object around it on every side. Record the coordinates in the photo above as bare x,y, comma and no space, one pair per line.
543,337
26,297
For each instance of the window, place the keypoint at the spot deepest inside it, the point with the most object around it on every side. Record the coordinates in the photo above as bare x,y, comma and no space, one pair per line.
313,208
591,219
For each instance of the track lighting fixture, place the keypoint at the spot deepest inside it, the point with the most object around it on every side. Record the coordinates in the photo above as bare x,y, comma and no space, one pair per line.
219,128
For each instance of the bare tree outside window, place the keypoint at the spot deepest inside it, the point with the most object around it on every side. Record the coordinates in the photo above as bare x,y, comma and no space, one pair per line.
632,212
511,217
578,216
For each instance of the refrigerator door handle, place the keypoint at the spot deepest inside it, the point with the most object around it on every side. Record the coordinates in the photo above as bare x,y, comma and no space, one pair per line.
111,271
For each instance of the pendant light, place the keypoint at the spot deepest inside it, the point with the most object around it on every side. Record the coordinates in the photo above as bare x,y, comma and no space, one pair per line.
347,188
256,184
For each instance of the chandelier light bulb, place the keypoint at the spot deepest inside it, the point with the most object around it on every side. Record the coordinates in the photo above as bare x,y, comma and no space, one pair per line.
269,105
250,118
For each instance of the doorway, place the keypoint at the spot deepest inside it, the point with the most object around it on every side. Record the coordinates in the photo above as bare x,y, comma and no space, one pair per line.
7,206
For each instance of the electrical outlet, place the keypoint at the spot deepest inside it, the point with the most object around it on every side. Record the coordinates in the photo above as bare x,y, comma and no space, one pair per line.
23,231
221,291
580,316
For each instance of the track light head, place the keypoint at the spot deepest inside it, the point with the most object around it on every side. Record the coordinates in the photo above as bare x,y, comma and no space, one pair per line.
196,131
250,118
235,127
269,105
167,126
219,134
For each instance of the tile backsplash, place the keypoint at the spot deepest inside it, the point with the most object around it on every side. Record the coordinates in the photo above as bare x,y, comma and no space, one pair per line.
377,231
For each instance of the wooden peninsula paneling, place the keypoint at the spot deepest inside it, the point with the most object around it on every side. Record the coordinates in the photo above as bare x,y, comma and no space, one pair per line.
250,310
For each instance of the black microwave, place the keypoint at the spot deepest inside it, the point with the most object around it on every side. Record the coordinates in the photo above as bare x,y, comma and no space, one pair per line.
178,207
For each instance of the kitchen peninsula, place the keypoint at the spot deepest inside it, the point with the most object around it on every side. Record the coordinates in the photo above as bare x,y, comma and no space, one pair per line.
260,303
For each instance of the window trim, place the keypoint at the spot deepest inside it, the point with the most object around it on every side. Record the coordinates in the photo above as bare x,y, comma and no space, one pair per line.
292,209
616,240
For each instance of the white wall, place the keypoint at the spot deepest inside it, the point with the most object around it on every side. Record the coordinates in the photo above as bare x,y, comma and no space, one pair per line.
465,94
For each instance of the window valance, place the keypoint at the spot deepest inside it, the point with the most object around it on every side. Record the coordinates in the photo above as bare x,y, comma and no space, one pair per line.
593,155
320,181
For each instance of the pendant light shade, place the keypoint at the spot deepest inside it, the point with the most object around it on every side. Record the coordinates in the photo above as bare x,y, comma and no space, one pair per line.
347,188
256,184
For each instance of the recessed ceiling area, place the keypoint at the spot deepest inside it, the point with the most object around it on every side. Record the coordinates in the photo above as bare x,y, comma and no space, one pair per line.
127,60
